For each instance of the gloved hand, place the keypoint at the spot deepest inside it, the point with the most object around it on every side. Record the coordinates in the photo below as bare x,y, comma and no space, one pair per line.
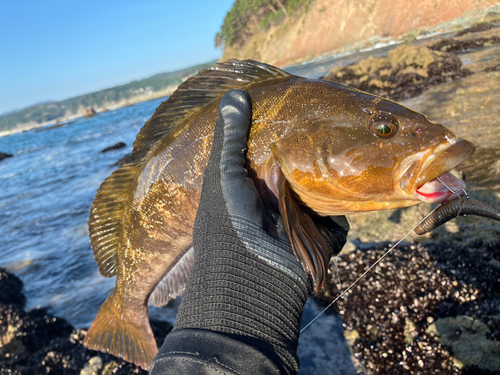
245,284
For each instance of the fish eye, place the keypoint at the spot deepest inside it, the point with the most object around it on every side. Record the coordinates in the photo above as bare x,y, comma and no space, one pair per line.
382,129
383,125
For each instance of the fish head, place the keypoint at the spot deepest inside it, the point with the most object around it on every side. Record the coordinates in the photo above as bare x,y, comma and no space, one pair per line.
366,154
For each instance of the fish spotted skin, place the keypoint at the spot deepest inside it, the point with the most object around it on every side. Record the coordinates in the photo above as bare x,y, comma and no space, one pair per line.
318,137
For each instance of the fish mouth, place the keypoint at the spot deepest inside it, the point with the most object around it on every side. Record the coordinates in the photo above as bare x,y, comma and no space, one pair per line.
434,183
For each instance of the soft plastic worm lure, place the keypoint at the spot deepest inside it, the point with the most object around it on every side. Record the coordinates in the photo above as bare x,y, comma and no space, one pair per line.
453,209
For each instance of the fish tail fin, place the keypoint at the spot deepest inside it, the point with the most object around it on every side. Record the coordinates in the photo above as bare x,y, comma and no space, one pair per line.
129,336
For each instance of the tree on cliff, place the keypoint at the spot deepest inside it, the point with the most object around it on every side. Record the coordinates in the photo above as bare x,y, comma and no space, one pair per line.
246,16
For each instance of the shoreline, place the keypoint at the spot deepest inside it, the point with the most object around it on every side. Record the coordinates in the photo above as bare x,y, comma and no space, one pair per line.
106,108
310,33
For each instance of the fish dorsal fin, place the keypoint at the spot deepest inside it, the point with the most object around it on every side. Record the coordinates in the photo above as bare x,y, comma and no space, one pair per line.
204,88
308,245
108,207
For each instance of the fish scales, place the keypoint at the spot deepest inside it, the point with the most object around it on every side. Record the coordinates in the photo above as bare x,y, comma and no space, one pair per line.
314,148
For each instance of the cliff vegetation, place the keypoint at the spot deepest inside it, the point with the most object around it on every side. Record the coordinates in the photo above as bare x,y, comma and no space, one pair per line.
247,17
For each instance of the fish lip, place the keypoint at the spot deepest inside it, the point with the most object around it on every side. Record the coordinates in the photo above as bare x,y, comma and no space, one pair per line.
445,157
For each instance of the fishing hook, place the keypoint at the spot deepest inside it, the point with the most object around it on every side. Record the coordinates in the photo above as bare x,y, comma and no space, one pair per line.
456,192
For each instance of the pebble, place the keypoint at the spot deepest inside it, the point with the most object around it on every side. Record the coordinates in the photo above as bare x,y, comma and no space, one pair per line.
92,367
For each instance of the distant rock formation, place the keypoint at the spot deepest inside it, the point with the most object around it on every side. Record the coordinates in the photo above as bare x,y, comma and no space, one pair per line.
4,156
115,147
89,112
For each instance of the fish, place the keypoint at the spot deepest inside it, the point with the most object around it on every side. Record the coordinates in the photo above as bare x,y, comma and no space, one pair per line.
315,148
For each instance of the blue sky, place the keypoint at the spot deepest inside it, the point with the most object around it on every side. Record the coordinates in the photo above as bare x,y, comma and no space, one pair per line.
53,50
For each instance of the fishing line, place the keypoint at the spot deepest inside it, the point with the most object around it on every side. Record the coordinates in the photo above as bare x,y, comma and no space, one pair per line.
368,270
387,252
454,191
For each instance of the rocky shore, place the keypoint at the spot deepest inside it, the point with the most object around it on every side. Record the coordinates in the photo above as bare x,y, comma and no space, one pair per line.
410,70
322,28
421,310
35,342
432,309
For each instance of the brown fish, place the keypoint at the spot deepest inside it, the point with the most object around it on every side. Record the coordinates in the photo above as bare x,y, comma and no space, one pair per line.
315,148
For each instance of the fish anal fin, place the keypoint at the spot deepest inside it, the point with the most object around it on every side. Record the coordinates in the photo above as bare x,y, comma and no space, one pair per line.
129,337
309,246
173,283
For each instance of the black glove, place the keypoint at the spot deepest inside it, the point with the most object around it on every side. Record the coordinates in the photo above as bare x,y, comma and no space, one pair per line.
245,284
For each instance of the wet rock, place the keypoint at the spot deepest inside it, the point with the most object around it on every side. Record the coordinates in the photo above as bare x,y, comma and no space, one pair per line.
11,290
9,343
351,335
494,263
115,147
109,368
411,289
495,68
455,45
36,342
476,28
4,156
467,338
406,72
126,159
39,329
410,331
89,112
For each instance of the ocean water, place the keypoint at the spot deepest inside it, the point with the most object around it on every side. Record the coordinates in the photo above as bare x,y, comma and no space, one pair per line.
46,191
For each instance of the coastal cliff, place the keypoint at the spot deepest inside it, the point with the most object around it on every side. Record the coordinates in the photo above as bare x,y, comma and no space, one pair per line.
323,27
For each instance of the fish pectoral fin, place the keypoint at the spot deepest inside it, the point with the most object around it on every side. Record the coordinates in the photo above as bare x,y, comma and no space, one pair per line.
129,336
173,283
309,246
